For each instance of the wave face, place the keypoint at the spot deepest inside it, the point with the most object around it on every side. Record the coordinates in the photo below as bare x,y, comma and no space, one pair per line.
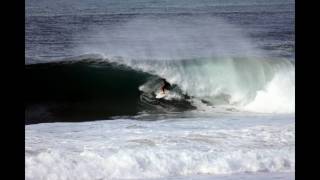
88,87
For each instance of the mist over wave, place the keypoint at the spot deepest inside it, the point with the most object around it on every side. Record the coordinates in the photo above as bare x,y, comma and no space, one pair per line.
207,57
152,38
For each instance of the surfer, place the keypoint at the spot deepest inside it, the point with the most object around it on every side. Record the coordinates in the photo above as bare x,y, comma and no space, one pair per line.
165,86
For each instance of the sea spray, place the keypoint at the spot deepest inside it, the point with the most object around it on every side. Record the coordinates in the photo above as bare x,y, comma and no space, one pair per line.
207,57
151,38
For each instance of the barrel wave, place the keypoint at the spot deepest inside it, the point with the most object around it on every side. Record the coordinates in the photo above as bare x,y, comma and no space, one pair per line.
95,87
84,89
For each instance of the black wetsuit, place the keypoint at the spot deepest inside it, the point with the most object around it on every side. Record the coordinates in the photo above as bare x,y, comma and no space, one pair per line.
165,85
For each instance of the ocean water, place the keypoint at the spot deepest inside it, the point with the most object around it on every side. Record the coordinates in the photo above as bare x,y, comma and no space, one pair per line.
94,69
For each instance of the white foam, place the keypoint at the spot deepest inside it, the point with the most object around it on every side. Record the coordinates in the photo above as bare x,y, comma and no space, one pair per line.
128,149
278,96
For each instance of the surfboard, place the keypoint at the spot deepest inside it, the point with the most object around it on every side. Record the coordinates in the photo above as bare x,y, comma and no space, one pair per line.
160,94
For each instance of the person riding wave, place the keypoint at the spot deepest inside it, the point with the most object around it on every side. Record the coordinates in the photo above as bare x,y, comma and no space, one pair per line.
165,86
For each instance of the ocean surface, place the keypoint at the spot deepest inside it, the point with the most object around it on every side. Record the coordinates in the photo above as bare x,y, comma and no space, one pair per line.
94,69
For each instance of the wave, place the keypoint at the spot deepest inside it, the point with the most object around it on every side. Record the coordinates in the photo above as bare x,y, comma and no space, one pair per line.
209,63
95,87
81,89
258,85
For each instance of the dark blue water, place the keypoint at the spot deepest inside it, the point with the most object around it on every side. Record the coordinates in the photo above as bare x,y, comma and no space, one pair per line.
55,29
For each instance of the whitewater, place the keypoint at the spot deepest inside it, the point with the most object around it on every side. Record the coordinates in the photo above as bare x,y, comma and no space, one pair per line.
128,149
93,70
